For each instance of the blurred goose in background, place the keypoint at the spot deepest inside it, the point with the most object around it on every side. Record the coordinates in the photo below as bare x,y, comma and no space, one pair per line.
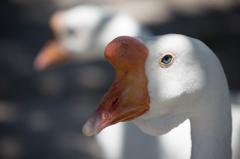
82,33
162,81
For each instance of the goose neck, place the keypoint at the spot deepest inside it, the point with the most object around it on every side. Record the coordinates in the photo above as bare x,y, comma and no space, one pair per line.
211,131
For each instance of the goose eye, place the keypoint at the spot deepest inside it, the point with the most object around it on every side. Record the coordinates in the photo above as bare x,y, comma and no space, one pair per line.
166,59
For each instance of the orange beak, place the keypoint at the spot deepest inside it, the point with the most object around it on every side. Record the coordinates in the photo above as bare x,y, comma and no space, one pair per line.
52,53
128,96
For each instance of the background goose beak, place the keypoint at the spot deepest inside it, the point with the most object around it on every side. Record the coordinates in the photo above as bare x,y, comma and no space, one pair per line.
50,55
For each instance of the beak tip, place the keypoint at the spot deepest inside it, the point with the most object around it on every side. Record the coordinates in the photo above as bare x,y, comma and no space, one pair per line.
37,66
90,127
87,132
40,63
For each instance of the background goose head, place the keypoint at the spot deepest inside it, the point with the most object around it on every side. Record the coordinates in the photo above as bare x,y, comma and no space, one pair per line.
162,81
73,32
82,33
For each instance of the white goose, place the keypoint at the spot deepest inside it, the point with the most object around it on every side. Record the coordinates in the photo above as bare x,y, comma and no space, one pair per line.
82,33
162,81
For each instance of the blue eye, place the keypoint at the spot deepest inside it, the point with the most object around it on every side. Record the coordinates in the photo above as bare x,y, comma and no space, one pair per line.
167,59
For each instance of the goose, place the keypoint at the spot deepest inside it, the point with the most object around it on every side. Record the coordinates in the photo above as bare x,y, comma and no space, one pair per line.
82,32
162,81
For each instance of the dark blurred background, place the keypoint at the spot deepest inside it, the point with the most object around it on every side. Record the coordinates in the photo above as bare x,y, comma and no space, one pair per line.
42,113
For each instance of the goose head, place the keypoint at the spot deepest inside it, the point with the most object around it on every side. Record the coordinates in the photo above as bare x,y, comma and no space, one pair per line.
73,33
82,32
160,82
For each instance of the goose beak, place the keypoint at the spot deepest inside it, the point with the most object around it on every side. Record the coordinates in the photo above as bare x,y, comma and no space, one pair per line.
128,96
52,53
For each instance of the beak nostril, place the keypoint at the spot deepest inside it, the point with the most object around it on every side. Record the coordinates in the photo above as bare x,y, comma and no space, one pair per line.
114,102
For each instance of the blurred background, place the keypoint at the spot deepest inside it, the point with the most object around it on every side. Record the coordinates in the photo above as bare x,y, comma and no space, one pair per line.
42,113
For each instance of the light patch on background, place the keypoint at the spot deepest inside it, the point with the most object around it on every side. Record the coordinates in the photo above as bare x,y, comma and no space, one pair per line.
51,84
235,131
77,142
39,121
111,140
8,113
181,139
91,77
155,11
81,107
10,148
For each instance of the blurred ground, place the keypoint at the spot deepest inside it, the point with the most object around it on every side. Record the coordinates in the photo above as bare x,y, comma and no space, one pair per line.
41,114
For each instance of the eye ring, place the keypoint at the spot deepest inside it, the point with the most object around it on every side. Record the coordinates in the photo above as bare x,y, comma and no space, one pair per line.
166,59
